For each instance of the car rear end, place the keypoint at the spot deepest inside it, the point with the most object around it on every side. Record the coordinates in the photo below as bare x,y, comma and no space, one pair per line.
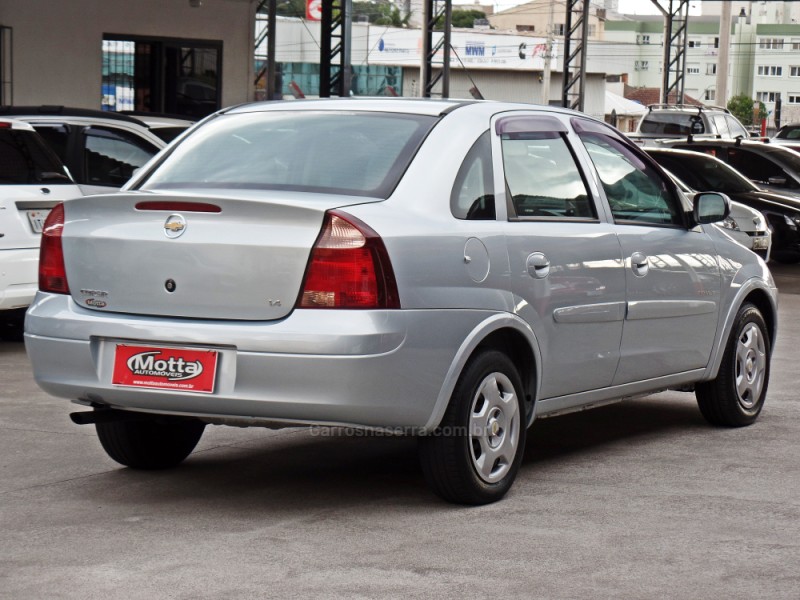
32,182
235,283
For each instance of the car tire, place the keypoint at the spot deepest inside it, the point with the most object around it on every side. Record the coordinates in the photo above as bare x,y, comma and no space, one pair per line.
475,453
735,398
158,443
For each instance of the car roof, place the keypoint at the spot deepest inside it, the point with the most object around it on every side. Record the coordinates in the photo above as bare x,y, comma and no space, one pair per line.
65,111
422,106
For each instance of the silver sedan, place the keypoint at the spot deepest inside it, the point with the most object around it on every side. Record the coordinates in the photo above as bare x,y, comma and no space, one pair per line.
451,270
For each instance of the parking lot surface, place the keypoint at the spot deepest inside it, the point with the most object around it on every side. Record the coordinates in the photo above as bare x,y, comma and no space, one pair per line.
640,499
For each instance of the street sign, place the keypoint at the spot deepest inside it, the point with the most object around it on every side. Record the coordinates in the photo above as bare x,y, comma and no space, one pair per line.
314,10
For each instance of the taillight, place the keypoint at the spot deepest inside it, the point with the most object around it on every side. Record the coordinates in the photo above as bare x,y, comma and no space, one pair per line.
348,268
52,273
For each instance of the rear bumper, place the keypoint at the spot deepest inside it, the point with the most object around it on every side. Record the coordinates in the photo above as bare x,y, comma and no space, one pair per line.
368,368
19,277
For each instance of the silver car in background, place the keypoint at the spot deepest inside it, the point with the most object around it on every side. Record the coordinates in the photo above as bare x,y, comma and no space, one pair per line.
451,270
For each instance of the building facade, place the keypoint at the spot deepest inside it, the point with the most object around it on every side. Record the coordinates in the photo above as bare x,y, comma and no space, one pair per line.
182,56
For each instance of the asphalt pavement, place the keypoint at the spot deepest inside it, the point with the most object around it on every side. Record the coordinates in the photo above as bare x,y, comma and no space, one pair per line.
640,499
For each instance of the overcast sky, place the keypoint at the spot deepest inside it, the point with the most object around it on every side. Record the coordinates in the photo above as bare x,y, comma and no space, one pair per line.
641,7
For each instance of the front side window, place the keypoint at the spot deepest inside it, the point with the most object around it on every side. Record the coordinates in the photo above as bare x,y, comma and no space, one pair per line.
472,197
360,154
542,177
636,192
111,156
757,167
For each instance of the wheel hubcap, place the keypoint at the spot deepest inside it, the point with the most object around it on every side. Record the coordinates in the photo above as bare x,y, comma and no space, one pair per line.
494,427
751,365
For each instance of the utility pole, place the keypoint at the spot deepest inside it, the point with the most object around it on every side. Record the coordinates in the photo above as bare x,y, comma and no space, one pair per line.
548,56
723,65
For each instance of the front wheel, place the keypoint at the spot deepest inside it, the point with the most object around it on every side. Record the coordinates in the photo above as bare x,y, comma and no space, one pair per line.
475,453
735,398
153,443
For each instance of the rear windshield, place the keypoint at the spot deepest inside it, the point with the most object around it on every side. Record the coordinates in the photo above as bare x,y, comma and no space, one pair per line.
362,154
672,123
24,159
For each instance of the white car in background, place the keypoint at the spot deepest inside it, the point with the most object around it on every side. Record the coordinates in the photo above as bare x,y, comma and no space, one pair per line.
32,181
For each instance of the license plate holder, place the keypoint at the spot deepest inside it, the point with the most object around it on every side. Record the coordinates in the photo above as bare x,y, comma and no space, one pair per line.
169,368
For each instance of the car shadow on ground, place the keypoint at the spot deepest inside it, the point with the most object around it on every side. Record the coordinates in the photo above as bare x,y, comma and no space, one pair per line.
301,471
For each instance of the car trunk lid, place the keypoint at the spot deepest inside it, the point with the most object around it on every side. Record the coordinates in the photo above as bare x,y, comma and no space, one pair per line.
196,255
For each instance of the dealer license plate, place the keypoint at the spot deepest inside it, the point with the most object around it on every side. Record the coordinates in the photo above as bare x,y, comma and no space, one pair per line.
177,369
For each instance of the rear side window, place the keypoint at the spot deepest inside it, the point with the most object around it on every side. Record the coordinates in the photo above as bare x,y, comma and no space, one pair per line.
672,124
24,159
542,177
111,156
722,125
473,196
736,128
361,154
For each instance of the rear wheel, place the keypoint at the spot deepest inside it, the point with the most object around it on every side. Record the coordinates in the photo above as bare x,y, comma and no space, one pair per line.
474,455
157,443
736,396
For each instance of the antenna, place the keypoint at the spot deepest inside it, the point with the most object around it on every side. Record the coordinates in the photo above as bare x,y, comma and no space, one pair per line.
476,93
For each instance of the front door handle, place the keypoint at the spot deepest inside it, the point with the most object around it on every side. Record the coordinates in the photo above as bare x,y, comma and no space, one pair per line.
538,265
639,264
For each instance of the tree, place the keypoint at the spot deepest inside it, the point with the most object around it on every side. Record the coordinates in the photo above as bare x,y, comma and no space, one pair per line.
742,107
466,18
381,12
462,18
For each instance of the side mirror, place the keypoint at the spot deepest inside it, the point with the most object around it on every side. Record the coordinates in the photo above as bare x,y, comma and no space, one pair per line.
711,207
777,180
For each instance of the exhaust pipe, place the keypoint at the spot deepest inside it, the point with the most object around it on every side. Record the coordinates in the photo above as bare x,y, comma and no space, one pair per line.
106,415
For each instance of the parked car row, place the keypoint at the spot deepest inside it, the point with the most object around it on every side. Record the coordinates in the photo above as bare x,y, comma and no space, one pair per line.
763,175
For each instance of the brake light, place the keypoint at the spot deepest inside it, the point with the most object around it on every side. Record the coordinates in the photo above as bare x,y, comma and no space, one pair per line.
179,206
348,268
52,273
